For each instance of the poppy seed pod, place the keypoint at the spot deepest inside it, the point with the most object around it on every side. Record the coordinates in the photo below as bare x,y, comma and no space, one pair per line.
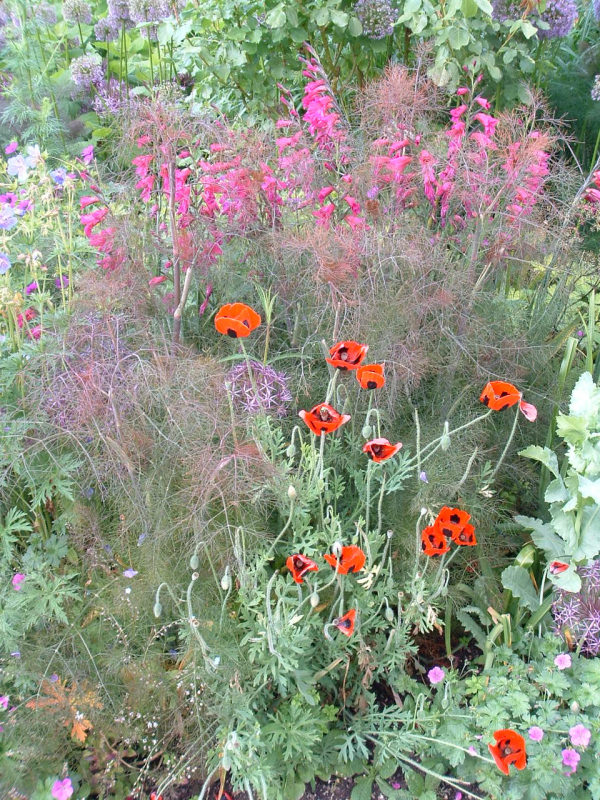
195,576
389,614
292,494
314,599
194,562
157,610
226,580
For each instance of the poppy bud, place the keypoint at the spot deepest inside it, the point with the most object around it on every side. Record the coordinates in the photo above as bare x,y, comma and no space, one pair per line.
336,549
291,450
292,494
226,580
157,610
314,599
367,431
445,440
195,576
575,708
194,562
389,614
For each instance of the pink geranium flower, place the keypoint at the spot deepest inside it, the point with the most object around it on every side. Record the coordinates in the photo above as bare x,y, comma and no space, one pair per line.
4,701
436,675
536,734
87,154
580,735
570,758
11,147
563,661
17,580
62,790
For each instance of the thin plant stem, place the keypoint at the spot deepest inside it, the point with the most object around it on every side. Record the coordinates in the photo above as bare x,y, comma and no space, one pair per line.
506,447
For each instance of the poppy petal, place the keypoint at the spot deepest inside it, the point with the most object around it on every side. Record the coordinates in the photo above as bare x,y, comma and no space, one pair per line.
347,355
370,376
346,623
528,410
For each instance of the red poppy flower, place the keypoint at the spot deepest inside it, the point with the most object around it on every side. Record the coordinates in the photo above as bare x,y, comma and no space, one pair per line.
433,541
346,623
299,565
556,567
237,320
380,450
370,376
465,536
352,559
509,749
347,355
499,395
323,418
454,515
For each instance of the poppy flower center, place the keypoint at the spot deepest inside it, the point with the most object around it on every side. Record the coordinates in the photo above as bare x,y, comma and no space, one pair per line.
507,750
343,354
376,448
344,623
324,414
463,537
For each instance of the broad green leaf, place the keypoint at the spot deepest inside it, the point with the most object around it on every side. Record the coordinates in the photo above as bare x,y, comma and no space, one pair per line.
585,398
573,429
339,18
362,789
458,37
543,536
299,35
355,27
165,32
527,29
589,488
469,8
485,6
517,580
568,580
556,492
276,17
545,455
509,55
292,16
320,16
588,545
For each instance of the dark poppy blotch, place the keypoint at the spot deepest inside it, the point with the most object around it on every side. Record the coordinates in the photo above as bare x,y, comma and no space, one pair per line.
465,537
346,623
352,559
433,541
370,376
299,565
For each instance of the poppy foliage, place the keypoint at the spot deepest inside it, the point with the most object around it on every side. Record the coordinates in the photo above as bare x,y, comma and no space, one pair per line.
347,355
352,559
346,623
237,320
299,565
380,450
323,418
370,376
509,749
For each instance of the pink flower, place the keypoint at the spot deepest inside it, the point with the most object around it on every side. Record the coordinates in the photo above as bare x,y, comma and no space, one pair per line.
489,123
457,112
62,790
31,287
17,580
356,223
323,215
570,758
156,280
325,192
485,104
471,750
144,140
35,333
536,734
87,154
4,701
88,200
11,147
353,203
462,91
436,675
580,735
89,221
563,661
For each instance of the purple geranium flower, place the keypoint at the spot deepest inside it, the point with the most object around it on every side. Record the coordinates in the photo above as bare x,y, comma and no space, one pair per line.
59,175
87,154
62,790
570,758
563,661
17,580
580,735
7,218
436,675
536,734
61,282
18,167
130,573
11,147
31,287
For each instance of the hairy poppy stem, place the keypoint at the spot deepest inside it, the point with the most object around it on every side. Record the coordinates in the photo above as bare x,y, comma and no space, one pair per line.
284,529
368,509
507,446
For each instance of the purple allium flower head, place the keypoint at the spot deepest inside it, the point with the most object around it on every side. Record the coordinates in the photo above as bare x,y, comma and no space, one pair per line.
570,758
563,661
86,70
31,287
580,613
44,12
149,11
580,736
271,393
62,790
11,147
377,17
107,29
536,734
436,675
118,11
560,15
77,12
110,98
4,263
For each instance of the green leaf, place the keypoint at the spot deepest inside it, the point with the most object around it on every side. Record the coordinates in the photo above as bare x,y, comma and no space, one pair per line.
585,398
299,35
485,6
543,454
469,8
568,580
165,32
355,27
588,488
527,29
517,581
339,18
276,17
320,16
572,429
362,789
101,133
556,492
458,37
292,16
588,545
543,536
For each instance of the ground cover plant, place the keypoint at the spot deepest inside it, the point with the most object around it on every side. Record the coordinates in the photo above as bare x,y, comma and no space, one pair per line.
300,418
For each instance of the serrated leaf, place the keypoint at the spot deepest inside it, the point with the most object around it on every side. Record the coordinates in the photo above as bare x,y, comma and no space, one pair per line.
543,454
572,429
585,398
517,581
544,536
362,789
588,488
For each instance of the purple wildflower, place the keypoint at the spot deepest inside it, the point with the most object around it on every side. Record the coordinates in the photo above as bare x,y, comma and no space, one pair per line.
130,573
11,147
266,391
580,736
77,12
17,166
7,218
118,10
144,11
4,701
4,263
31,287
58,175
536,734
61,282
53,678
62,790
87,154
107,29
17,580
436,675
580,613
563,661
560,16
423,477
377,17
570,758
86,70
109,99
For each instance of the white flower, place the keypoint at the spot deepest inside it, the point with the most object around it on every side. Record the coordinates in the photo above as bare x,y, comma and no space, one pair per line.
34,156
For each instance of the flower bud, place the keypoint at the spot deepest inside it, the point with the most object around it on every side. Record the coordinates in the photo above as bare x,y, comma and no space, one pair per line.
389,614
336,549
291,450
575,708
367,431
292,494
194,562
314,599
226,580
157,610
445,440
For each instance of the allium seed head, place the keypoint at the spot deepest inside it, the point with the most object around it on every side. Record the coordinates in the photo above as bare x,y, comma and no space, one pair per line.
86,70
579,614
265,391
77,12
377,17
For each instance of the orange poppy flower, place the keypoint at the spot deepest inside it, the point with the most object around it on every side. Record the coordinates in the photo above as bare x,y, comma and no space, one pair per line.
352,559
370,376
347,355
323,418
453,515
433,541
346,623
380,450
299,565
465,536
509,749
557,567
237,320
499,395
